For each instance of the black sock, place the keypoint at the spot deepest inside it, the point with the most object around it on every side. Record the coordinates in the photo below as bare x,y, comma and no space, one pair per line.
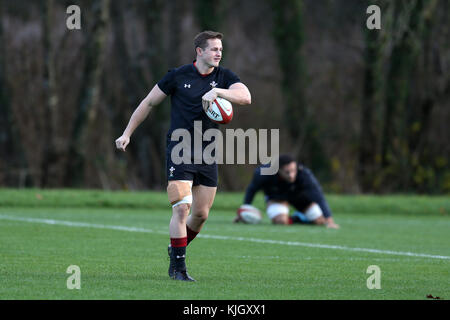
179,256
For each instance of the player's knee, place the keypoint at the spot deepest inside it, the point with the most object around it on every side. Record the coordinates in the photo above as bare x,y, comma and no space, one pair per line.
181,211
314,213
280,219
201,214
320,221
179,192
278,212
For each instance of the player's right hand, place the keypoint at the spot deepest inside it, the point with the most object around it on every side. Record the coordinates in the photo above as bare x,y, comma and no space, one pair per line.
122,142
237,219
206,105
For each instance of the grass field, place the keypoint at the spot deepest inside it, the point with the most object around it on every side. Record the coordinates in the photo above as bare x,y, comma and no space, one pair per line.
119,240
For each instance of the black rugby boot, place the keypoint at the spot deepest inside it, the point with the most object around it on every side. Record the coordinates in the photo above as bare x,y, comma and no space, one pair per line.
177,266
183,276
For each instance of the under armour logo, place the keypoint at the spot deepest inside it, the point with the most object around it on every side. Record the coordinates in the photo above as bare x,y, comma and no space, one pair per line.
183,256
187,85
213,84
172,169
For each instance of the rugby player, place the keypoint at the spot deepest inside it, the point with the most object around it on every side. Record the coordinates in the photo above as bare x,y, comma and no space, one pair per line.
191,187
294,185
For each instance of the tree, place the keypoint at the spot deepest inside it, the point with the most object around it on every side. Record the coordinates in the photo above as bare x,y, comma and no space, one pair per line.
97,153
369,142
288,34
395,121
7,140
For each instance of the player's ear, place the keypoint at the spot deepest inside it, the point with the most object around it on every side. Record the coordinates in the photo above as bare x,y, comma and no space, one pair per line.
199,51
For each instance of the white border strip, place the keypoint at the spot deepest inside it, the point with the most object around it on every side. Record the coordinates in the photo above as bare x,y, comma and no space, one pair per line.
218,237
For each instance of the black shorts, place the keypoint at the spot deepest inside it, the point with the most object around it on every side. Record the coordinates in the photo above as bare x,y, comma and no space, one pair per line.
304,199
204,174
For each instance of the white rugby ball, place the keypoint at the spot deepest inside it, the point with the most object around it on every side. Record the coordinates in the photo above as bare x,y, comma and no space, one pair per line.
249,214
220,111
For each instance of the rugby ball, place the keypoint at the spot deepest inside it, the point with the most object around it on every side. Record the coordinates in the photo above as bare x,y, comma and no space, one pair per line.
249,214
220,111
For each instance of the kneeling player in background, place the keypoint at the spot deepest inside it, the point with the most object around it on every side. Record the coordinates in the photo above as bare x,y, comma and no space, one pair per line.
294,185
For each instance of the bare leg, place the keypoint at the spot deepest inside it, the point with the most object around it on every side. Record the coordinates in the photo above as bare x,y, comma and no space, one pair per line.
282,217
203,198
320,220
177,226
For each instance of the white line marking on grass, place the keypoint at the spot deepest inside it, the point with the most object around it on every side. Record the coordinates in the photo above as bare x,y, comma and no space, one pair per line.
76,224
218,237
325,246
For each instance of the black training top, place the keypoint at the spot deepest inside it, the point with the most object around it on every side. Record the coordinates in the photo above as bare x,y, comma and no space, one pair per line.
276,188
186,86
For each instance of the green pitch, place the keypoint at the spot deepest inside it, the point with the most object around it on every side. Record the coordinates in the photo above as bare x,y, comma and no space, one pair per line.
119,241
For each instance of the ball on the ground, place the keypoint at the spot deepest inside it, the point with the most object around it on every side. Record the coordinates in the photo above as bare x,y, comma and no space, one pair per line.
249,214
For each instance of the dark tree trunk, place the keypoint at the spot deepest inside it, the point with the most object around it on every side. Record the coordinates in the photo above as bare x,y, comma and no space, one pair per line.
97,152
373,87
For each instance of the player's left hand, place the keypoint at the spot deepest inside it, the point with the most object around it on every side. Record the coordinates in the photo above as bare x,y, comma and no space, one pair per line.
237,219
332,225
208,98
